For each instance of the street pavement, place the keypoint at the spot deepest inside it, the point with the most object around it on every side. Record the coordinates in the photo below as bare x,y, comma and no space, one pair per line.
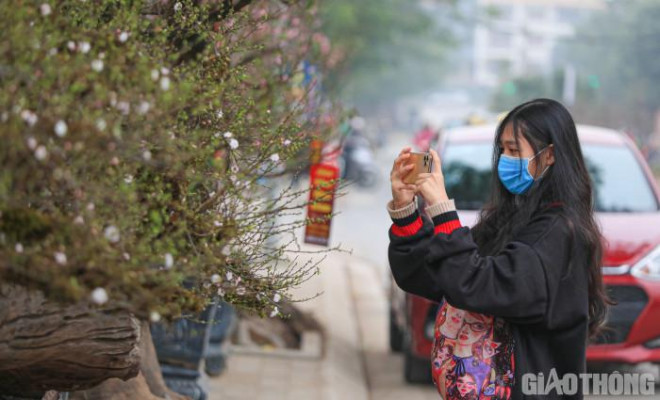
356,363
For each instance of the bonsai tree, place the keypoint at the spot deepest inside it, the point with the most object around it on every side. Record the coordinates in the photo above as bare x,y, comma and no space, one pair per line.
139,144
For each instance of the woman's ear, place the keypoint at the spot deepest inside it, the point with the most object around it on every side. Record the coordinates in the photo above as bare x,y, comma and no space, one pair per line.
550,155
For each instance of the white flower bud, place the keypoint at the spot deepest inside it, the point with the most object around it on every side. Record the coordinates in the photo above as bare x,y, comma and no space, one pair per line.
61,128
169,261
154,316
97,65
112,234
60,258
45,9
165,83
99,296
41,153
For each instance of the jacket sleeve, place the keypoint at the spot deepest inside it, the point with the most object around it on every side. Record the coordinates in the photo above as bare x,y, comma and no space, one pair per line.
515,284
410,236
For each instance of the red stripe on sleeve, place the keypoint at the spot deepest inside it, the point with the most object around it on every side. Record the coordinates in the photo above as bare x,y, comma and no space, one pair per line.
447,227
407,230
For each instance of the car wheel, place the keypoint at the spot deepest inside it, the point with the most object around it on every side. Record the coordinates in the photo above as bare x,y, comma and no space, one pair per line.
415,369
396,335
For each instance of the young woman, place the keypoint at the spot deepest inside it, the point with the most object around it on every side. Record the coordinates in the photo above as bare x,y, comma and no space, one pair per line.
532,262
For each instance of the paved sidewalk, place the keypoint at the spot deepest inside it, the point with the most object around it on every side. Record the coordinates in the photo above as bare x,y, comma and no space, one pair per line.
339,374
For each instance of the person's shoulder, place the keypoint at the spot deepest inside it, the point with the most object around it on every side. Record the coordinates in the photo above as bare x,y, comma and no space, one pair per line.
548,224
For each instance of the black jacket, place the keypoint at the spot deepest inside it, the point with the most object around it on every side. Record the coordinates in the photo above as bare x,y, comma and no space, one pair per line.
528,284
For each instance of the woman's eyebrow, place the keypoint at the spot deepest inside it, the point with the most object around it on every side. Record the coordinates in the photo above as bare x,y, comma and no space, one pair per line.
510,142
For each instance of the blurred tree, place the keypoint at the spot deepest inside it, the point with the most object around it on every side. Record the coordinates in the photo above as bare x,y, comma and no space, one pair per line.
383,49
616,54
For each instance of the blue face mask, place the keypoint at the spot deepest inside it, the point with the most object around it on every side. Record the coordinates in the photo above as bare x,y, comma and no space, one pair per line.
514,173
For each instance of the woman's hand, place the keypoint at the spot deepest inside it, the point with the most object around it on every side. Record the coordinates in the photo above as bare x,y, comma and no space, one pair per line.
402,193
431,185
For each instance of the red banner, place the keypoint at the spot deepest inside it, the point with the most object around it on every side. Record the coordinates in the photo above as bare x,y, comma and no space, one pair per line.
323,180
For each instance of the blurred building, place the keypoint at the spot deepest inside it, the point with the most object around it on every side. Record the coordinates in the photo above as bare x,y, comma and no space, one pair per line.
519,37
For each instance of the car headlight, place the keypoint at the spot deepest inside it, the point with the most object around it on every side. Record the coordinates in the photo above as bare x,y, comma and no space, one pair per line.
649,266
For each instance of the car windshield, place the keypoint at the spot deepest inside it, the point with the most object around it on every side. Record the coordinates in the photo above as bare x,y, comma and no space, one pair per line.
619,181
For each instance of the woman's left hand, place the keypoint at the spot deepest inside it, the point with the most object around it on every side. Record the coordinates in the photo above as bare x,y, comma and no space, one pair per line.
431,185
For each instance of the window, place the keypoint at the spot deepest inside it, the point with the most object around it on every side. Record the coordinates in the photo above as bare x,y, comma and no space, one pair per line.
620,183
467,171
500,39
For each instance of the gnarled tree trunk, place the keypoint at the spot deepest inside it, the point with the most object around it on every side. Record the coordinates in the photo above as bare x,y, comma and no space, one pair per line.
44,345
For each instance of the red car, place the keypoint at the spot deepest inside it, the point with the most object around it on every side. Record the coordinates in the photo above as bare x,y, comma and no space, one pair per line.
627,201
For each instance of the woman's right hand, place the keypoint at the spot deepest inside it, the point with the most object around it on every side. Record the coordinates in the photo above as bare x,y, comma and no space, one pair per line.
402,193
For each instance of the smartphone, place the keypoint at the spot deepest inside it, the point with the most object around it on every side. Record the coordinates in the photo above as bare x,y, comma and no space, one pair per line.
422,162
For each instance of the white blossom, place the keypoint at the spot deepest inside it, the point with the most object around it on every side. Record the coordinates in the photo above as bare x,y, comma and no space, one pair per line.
227,135
71,45
97,65
165,83
219,113
154,316
18,248
221,292
61,128
101,124
60,258
287,142
217,223
123,37
274,313
124,107
90,206
111,233
169,261
215,278
144,107
146,155
99,296
45,9
128,179
240,290
178,6
79,220
32,143
275,157
233,144
52,51
29,117
276,298
229,275
126,256
41,153
164,71
84,47
155,74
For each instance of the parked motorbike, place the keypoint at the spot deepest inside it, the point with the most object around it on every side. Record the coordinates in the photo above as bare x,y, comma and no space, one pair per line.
357,161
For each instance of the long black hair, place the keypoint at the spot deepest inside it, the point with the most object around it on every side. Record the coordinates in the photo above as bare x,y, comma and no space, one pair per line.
543,122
